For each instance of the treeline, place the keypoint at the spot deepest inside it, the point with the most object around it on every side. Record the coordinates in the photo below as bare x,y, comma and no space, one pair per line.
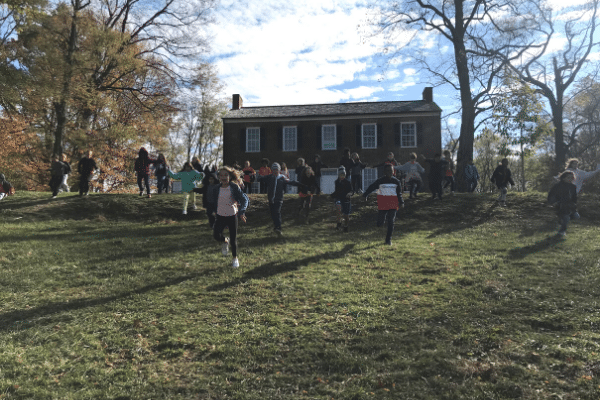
100,75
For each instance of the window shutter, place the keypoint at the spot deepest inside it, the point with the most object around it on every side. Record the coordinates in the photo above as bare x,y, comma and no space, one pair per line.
243,140
338,137
299,137
280,138
379,135
319,142
419,129
358,136
397,135
263,139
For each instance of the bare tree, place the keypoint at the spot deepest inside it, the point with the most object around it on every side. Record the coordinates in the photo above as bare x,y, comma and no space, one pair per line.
551,71
458,25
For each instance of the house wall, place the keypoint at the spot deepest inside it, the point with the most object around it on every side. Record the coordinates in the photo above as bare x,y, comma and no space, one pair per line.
428,131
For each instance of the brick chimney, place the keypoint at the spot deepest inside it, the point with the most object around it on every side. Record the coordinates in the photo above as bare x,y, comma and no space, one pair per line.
428,94
237,102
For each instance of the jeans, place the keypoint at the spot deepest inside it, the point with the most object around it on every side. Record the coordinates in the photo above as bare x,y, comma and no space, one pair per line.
390,216
415,185
564,220
146,182
232,224
276,214
84,184
450,181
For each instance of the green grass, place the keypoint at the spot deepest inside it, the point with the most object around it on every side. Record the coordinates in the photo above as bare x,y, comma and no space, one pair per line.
122,297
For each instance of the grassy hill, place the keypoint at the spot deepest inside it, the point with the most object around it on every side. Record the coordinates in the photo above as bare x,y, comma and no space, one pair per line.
122,297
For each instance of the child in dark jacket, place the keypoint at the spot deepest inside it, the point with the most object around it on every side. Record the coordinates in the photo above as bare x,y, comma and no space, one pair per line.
437,171
307,191
6,189
564,196
142,168
341,195
502,177
356,173
275,184
389,198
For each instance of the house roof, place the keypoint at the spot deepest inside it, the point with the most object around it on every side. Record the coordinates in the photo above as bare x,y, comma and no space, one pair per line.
334,110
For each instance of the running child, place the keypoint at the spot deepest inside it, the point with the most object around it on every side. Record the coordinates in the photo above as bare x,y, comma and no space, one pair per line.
502,177
341,195
580,175
212,183
413,172
306,192
230,204
142,168
471,176
275,185
389,198
449,177
564,196
389,161
188,177
64,186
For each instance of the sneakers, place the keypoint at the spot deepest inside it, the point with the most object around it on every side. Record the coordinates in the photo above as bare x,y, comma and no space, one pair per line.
236,263
194,207
141,193
149,195
388,242
278,232
184,212
338,226
562,233
225,247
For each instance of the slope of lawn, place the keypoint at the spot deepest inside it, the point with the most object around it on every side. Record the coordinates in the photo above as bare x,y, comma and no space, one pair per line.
122,297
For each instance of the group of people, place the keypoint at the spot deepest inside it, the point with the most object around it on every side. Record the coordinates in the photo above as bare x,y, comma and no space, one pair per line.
225,190
60,170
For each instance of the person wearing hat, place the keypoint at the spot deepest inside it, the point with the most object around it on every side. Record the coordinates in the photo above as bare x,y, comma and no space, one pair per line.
341,195
275,184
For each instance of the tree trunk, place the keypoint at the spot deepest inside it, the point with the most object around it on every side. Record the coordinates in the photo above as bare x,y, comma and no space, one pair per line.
61,106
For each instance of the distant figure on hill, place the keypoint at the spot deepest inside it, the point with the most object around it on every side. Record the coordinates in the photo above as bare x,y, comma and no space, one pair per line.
249,176
6,189
86,168
188,177
413,172
64,186
356,173
142,169
449,174
316,166
471,176
162,177
341,197
437,171
502,177
58,169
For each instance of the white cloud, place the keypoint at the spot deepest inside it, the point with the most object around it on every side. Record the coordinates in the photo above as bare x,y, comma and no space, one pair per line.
410,71
291,53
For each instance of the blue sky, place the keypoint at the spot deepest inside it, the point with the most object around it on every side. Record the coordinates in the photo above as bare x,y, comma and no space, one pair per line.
275,52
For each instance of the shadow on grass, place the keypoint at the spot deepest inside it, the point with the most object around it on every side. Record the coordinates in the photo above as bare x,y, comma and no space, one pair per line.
464,217
24,319
276,267
541,245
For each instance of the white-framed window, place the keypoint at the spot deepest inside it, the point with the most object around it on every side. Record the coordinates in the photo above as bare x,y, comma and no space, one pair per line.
328,137
290,138
408,134
369,136
252,140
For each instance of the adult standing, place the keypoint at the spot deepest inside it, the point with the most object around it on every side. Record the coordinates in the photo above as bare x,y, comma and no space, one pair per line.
316,166
502,176
142,168
437,171
86,168
160,170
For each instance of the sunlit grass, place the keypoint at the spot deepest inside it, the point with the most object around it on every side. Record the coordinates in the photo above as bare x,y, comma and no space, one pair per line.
117,296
